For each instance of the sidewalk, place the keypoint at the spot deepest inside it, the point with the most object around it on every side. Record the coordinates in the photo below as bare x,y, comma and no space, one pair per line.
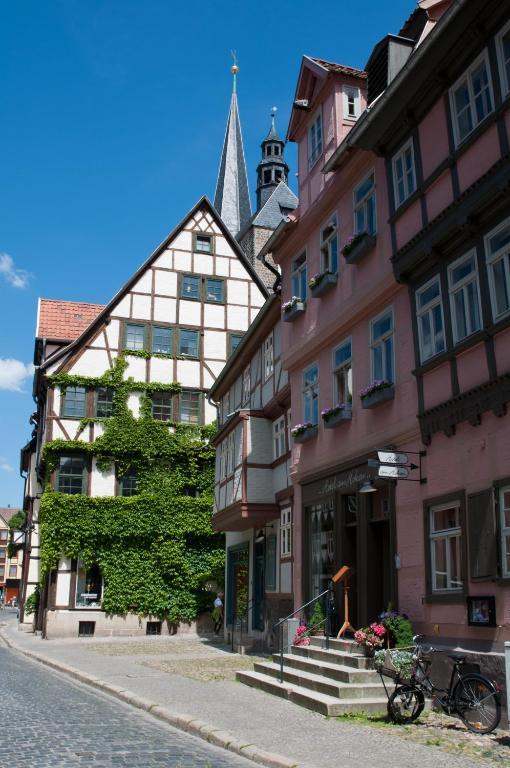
173,678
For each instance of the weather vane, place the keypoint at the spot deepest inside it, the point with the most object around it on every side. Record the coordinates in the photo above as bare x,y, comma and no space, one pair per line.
234,68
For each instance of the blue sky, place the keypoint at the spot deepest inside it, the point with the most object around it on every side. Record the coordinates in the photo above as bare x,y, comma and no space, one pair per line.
113,116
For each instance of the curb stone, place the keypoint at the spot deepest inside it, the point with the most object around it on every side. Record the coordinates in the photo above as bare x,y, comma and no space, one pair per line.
204,731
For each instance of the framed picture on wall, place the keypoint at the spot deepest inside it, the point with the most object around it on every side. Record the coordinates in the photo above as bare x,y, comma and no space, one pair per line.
481,611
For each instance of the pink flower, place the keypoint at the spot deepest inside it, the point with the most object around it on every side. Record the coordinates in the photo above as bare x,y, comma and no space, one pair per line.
379,630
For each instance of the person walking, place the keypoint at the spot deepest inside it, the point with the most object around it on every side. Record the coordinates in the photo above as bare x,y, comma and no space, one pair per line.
217,613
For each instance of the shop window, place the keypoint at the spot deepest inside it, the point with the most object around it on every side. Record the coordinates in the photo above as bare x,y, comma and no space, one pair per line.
471,98
311,395
365,219
382,347
464,297
342,373
286,532
70,474
429,315
497,253
74,405
134,337
104,402
89,586
329,247
298,277
404,174
445,539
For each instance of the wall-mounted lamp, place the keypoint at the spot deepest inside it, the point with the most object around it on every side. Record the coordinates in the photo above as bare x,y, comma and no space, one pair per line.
367,487
260,536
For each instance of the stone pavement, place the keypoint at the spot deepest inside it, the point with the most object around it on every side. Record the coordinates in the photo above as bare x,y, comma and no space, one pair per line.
268,730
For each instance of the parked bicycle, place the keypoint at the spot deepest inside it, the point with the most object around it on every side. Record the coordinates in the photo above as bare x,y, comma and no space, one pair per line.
471,696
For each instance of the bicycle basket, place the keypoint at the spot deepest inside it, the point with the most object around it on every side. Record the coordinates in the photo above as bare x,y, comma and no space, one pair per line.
395,663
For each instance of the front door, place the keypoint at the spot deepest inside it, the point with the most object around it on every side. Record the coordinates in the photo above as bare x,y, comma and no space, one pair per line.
258,587
237,584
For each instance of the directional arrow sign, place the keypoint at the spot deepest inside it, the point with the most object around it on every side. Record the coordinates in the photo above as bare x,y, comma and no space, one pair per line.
390,457
393,471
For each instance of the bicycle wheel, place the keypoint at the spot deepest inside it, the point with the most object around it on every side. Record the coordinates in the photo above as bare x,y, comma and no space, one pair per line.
477,703
405,704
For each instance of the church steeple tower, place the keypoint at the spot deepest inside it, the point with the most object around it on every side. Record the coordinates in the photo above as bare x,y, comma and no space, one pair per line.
232,196
272,169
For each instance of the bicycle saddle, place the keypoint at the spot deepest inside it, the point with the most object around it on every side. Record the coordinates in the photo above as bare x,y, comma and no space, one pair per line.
459,657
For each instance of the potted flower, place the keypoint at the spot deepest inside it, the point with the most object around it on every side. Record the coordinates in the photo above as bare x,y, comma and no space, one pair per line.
292,309
379,391
320,283
399,630
370,638
317,619
357,246
336,415
301,638
399,662
303,432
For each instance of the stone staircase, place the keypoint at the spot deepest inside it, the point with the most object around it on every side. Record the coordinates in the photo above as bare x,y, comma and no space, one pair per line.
333,682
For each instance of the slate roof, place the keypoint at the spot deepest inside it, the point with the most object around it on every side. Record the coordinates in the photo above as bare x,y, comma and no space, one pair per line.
64,320
232,196
276,207
7,512
340,69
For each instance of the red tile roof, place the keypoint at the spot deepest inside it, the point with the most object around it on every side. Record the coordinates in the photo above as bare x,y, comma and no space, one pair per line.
340,68
65,320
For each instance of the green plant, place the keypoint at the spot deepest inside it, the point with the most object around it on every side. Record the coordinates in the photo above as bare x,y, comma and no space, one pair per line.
317,618
32,602
16,522
398,627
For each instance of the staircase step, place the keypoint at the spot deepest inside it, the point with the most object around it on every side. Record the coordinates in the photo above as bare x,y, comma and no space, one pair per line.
320,683
314,700
342,644
355,660
343,674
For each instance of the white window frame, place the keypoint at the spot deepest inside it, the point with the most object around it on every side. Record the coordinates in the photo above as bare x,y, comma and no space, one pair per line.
246,386
298,276
503,74
351,91
466,78
447,533
504,530
268,356
286,532
313,390
493,258
409,187
461,285
329,233
315,145
279,447
362,204
380,342
428,309
345,367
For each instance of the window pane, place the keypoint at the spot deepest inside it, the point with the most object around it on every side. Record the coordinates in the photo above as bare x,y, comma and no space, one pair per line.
501,287
443,519
460,316
440,575
190,407
235,340
135,336
481,91
463,109
333,254
190,287
74,402
381,326
188,343
104,402
388,362
426,336
203,243
89,586
128,484
343,353
455,577
363,188
428,294
377,354
439,343
214,290
473,308
162,406
70,474
311,376
162,340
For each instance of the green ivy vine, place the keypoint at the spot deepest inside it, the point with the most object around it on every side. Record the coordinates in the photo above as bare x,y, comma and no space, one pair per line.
156,549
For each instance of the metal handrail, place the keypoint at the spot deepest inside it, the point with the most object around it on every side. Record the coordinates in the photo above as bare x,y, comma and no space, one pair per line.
329,602
240,619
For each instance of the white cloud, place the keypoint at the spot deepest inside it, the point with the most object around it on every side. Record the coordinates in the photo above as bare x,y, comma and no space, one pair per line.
18,278
13,374
5,465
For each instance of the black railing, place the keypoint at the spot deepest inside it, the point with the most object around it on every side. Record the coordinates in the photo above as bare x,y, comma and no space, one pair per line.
238,621
327,621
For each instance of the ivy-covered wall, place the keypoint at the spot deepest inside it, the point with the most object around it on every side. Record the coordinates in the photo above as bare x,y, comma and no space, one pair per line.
156,549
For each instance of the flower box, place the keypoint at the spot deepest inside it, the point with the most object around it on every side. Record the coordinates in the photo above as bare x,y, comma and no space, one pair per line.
292,309
303,432
337,416
321,284
378,396
358,247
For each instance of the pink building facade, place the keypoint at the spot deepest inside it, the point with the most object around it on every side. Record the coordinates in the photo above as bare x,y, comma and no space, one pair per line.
419,302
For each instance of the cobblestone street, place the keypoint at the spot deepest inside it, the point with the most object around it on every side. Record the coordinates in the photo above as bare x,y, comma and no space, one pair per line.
54,723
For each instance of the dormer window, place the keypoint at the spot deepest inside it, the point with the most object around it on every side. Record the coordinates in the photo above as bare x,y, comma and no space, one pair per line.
315,140
203,243
351,103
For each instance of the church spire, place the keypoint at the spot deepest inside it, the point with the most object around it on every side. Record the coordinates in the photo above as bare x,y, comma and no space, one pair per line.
232,196
272,168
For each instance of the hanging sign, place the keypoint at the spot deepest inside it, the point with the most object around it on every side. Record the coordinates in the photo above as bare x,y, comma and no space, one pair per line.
391,457
398,473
